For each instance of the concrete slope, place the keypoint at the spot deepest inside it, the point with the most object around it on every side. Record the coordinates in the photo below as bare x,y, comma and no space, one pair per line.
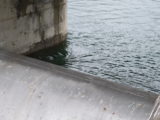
35,90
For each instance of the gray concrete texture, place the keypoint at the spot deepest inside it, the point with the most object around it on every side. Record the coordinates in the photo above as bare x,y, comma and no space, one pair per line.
30,25
34,90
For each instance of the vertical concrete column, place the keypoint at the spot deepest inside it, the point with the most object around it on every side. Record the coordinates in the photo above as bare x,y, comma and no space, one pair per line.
30,25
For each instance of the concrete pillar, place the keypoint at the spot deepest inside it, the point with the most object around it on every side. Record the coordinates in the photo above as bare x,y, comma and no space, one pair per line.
30,25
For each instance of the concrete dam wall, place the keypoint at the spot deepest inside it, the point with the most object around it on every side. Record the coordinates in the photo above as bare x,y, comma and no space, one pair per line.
31,25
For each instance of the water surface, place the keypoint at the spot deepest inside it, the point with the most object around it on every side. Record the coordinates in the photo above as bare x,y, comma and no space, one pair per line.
114,39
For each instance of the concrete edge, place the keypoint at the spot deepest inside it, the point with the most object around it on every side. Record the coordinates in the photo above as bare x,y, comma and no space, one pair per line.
81,77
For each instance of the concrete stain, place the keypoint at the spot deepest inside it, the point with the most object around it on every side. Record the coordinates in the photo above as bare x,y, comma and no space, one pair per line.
56,10
21,7
21,11
53,41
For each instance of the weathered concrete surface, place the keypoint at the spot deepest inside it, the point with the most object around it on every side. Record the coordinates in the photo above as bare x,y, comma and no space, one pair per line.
30,25
156,110
35,90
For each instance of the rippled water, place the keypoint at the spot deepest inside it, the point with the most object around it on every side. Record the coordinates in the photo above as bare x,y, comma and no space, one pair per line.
115,39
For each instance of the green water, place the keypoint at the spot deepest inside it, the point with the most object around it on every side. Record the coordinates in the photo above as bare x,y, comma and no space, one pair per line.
56,55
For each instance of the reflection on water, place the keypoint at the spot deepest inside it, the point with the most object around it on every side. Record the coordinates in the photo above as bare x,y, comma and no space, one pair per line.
114,39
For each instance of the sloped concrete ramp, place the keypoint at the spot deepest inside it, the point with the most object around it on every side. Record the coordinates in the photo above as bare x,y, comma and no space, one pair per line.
35,90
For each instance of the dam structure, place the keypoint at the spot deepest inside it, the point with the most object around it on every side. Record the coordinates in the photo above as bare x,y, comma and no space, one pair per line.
34,90
30,25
